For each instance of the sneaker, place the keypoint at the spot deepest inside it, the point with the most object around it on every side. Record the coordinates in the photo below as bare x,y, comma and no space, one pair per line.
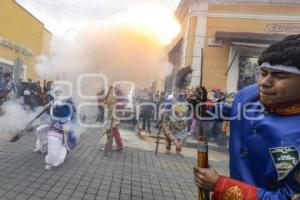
48,167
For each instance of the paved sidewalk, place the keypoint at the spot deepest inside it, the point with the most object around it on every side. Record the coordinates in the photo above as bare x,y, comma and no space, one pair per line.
132,174
190,142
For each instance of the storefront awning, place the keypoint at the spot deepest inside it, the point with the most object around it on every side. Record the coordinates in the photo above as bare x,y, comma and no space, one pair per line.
245,37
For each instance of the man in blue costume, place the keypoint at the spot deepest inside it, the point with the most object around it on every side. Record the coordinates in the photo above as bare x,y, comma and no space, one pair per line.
265,132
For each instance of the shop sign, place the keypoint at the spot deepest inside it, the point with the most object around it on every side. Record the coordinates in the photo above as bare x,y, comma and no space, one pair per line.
282,28
15,47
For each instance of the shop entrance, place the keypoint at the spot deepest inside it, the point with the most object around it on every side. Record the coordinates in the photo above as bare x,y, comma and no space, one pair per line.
248,71
5,68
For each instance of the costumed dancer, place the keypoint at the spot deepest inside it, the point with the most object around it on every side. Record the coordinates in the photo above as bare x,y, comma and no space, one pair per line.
174,120
264,142
41,131
174,126
57,138
195,97
111,123
100,100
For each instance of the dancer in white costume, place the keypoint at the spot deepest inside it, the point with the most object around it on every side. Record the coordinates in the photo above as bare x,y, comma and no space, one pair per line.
42,142
60,135
45,120
56,137
42,130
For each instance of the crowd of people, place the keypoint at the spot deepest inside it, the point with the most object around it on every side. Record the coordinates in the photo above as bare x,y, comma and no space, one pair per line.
28,93
57,122
151,109
264,141
264,138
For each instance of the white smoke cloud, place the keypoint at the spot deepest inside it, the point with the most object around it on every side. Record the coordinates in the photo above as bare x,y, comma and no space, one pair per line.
118,47
121,47
15,119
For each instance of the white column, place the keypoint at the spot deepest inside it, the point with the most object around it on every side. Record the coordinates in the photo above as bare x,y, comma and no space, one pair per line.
233,74
201,10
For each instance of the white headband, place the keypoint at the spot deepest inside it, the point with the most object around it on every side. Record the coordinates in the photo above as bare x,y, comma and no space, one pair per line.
284,68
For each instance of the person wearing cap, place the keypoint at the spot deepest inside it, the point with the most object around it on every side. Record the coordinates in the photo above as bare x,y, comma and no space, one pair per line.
264,140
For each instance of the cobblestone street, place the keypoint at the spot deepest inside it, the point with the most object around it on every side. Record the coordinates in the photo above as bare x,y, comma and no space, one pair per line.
135,173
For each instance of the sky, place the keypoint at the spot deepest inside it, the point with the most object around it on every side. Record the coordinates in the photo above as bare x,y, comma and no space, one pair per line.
62,17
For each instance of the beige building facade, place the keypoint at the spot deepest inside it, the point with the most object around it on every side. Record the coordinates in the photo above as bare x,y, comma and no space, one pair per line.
22,38
231,34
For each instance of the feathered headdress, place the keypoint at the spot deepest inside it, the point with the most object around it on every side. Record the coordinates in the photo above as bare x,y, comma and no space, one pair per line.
181,81
196,96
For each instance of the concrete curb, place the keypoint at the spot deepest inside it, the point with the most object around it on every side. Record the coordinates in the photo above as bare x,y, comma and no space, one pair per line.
191,143
211,146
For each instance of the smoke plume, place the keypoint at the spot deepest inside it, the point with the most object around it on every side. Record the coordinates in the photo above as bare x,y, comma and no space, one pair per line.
129,46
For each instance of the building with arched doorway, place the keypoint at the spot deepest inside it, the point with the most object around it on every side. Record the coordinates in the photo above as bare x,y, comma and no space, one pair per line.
22,38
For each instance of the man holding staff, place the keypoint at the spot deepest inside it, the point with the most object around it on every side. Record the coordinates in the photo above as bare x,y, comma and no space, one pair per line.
265,132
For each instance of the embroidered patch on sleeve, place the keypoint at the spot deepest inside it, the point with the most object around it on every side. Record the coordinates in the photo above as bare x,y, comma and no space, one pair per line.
285,160
233,192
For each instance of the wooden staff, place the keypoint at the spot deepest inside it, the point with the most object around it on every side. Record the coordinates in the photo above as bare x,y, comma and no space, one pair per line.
21,133
202,152
158,133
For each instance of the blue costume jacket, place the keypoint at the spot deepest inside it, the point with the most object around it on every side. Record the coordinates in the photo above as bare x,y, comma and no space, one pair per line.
62,113
264,151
